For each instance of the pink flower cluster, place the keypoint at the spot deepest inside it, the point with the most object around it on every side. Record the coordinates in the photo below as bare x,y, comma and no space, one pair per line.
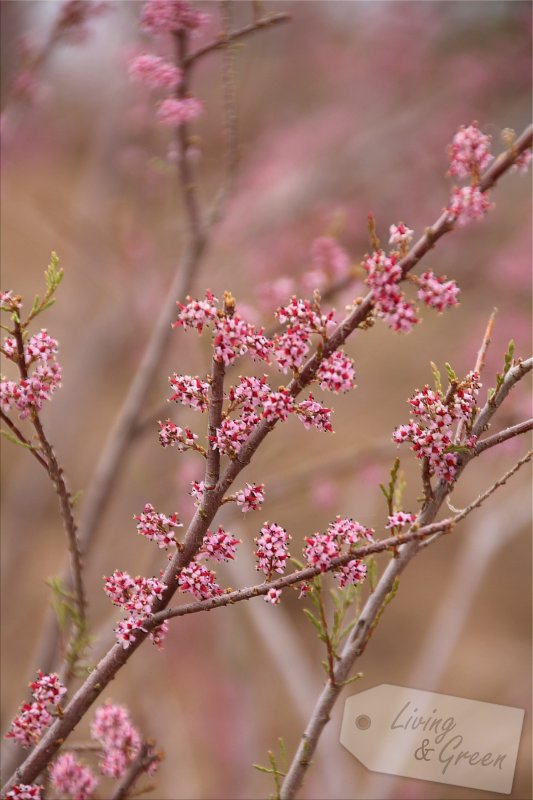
69,777
234,337
314,415
469,203
272,550
154,72
431,435
157,527
383,277
136,596
119,738
337,373
305,315
401,519
400,235
469,156
469,152
31,392
220,546
437,292
25,791
197,313
33,718
189,391
322,548
160,17
199,581
171,434
251,498
170,16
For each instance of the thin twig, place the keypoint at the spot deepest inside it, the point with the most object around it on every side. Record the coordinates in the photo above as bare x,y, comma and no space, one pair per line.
480,363
222,41
503,436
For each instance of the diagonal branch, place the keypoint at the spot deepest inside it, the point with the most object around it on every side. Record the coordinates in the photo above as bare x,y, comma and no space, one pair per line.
222,40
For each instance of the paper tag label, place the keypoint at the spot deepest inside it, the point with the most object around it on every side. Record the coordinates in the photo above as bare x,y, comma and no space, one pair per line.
433,737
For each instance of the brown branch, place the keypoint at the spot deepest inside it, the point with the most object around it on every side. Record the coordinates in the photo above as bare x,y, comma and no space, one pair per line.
480,363
503,436
118,656
146,757
222,40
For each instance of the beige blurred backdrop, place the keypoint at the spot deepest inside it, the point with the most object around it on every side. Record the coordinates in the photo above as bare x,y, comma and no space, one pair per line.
347,109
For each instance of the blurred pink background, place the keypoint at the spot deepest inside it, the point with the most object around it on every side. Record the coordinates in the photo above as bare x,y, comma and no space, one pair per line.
346,110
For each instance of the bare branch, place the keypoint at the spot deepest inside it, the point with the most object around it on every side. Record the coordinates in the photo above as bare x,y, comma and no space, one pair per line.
20,436
503,436
147,756
222,41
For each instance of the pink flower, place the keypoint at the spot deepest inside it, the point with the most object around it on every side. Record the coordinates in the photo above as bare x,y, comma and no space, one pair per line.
69,776
278,406
220,546
251,497
170,16
135,595
353,572
250,393
291,348
233,433
469,152
401,519
48,689
348,532
174,112
273,596
157,527
401,235
189,391
199,581
234,337
120,739
171,434
314,415
384,275
25,791
30,724
321,549
437,292
469,203
272,549
302,313
126,629
337,373
197,313
154,72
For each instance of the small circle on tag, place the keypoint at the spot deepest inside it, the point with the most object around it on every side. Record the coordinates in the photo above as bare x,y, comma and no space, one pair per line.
363,722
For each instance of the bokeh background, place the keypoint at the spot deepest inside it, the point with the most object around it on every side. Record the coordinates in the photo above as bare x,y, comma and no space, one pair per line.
347,109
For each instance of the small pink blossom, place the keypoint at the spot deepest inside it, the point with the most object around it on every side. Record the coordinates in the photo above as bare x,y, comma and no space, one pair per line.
197,492
291,348
272,549
25,791
469,152
174,112
171,434
199,581
234,337
154,72
278,406
314,415
401,519
353,572
190,391
126,629
302,313
250,392
336,373
437,292
69,776
29,724
120,739
233,433
48,689
273,596
321,549
170,16
220,546
400,235
197,313
469,203
384,275
158,527
250,498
